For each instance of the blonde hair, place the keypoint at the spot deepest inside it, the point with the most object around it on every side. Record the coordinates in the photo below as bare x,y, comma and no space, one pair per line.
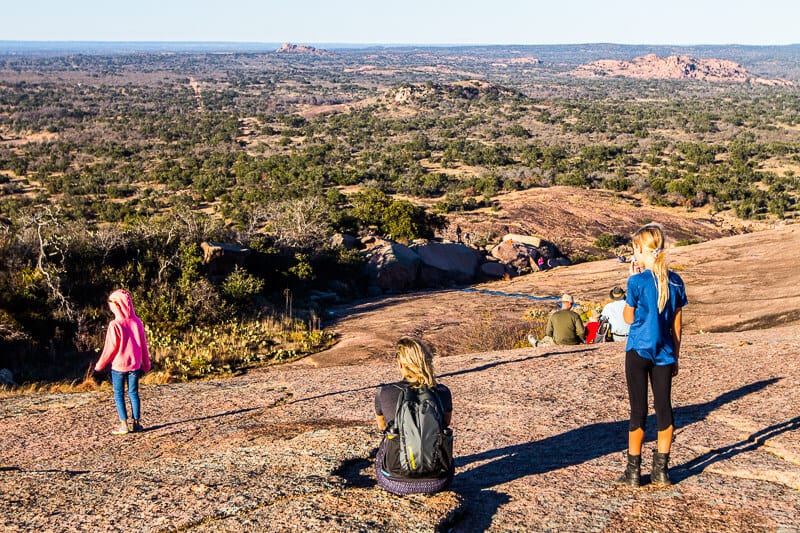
650,239
416,362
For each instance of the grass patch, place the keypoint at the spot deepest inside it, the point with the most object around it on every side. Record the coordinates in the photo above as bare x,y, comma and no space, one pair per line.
210,351
489,333
232,346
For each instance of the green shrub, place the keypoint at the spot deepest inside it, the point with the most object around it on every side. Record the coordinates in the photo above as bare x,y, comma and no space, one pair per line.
240,286
607,241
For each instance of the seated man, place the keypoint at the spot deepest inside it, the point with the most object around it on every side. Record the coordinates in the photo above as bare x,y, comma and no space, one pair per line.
613,313
563,327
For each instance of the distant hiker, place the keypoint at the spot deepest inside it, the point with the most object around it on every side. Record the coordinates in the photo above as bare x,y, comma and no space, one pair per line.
653,306
458,233
416,453
563,327
613,313
126,349
540,263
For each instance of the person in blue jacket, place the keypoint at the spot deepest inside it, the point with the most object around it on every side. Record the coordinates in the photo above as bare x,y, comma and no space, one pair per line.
653,307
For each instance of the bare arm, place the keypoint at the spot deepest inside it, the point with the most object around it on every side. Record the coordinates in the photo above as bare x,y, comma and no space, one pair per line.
677,323
448,417
627,314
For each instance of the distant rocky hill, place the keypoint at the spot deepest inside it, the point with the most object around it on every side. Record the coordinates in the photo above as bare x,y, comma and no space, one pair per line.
460,91
288,48
675,67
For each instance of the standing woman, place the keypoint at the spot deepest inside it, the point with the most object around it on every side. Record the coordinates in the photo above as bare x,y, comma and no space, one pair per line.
655,298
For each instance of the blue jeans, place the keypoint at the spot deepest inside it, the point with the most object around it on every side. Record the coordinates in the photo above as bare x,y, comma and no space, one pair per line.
118,381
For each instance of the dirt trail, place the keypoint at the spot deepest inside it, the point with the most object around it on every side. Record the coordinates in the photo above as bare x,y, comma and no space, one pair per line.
198,94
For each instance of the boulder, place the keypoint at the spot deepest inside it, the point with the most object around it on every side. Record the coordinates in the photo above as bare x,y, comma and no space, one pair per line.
342,289
391,266
506,251
558,261
548,250
346,241
323,297
524,239
493,269
457,262
6,377
221,258
430,276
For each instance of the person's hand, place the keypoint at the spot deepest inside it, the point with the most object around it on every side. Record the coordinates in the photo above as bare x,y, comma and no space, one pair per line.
634,268
675,368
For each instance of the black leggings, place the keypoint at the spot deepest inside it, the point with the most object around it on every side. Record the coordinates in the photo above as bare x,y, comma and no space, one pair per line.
637,371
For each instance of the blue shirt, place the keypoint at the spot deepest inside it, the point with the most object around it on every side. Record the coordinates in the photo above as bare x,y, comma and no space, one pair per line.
651,332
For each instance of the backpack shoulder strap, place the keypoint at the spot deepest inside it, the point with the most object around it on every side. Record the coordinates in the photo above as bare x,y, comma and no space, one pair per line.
439,403
404,390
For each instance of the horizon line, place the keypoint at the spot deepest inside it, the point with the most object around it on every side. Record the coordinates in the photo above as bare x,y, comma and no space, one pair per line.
371,44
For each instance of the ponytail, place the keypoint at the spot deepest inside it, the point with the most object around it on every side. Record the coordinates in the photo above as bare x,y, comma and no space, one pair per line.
651,240
659,270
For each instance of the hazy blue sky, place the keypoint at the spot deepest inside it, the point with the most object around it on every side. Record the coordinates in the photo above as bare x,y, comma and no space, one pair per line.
408,21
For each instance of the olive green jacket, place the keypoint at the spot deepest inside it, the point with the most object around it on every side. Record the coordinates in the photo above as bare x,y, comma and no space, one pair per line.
566,327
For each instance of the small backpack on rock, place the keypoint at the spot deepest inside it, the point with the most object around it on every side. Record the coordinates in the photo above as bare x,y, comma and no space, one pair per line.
418,445
603,331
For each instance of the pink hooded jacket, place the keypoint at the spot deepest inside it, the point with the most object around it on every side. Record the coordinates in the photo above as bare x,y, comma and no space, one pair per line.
126,345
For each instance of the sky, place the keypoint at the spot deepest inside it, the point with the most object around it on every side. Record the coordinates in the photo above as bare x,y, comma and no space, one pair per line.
676,22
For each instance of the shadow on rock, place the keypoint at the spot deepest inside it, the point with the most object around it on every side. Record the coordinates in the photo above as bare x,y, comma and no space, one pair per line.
336,393
201,418
487,366
696,466
356,472
571,448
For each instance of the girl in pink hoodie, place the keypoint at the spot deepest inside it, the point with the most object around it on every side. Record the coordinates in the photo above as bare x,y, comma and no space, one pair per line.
126,350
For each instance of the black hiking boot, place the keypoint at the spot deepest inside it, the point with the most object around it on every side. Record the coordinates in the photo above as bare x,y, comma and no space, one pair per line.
632,476
659,474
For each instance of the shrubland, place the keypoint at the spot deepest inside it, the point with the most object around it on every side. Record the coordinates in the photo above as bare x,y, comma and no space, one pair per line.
114,168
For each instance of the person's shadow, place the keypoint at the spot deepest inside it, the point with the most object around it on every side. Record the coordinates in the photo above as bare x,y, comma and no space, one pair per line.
573,447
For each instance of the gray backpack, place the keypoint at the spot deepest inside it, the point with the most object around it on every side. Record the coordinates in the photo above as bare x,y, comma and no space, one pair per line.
418,443
603,331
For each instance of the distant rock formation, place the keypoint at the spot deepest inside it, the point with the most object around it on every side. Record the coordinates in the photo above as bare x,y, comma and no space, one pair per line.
392,267
675,68
288,48
460,90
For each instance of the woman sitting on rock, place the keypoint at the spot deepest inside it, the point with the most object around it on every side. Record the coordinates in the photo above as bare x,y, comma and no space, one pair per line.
416,454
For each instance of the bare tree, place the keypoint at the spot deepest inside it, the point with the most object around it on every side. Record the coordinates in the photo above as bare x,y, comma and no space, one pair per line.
299,222
43,231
